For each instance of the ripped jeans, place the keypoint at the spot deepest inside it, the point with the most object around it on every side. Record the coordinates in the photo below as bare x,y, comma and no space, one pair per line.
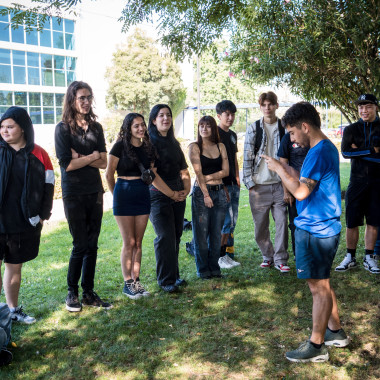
207,227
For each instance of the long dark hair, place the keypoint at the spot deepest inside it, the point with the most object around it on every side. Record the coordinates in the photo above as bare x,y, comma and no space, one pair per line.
153,131
214,131
125,135
69,109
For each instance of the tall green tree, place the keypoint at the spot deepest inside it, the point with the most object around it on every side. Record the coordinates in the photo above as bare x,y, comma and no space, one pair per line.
141,76
324,50
218,82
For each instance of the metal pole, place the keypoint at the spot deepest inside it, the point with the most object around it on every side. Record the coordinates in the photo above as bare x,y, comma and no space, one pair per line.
198,89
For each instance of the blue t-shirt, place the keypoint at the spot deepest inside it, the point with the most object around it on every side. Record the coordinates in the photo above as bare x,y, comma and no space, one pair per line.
319,213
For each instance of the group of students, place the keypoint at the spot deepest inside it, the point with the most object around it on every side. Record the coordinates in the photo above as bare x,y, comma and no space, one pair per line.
153,182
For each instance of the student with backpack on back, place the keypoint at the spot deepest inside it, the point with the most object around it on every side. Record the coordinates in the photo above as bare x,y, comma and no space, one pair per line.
265,189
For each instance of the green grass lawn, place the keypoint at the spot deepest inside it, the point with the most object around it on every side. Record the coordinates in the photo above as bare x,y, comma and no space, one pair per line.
235,328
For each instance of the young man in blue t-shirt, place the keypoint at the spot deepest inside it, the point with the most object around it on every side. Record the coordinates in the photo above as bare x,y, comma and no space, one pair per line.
317,191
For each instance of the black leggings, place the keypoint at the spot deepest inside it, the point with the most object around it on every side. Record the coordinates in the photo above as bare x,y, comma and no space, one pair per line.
84,216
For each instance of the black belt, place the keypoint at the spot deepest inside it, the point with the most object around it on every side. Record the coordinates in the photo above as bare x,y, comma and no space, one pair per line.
215,187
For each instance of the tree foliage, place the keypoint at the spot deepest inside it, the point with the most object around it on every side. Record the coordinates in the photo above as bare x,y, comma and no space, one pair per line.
325,50
218,82
140,77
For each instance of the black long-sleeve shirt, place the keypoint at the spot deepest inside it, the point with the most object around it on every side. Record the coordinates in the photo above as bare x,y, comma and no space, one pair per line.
365,162
85,180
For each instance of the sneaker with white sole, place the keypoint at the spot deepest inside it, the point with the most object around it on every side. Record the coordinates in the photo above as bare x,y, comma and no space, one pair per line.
231,261
72,302
141,289
347,263
266,264
283,268
370,264
18,315
337,339
306,352
224,263
130,290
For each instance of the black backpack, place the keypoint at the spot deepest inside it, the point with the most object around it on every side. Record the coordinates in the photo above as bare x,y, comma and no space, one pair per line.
259,134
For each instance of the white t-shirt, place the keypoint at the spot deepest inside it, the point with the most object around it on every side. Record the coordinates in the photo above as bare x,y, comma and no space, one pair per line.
265,176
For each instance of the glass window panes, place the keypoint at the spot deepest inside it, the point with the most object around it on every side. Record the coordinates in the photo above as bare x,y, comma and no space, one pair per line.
45,38
4,17
18,35
33,60
58,112
57,24
46,61
33,76
48,113
35,115
19,75
70,77
34,98
59,99
59,62
5,74
59,76
5,98
18,57
58,40
47,77
48,99
70,63
4,31
69,26
20,99
32,37
5,56
69,41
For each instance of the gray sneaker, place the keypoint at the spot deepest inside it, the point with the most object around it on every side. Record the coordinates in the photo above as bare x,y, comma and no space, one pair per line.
18,315
306,352
338,339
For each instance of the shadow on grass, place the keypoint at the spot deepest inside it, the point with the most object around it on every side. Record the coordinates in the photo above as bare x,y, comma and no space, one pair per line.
237,327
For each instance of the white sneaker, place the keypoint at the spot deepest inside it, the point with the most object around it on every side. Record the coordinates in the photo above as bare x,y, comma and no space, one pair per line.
232,262
371,264
18,315
347,263
224,263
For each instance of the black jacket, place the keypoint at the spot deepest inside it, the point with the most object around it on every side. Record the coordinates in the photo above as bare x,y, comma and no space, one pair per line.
365,162
37,195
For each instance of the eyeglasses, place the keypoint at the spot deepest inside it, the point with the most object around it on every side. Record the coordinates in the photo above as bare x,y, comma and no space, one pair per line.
82,99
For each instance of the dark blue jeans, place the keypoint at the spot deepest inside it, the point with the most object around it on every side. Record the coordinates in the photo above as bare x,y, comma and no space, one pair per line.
84,215
167,219
207,228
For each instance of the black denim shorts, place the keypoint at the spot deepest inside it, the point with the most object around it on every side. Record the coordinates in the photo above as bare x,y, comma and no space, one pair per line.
21,247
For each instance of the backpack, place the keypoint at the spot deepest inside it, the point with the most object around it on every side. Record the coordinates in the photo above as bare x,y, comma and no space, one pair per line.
5,325
259,134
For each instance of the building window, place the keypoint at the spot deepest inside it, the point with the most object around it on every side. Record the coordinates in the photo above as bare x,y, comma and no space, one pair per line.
55,33
43,108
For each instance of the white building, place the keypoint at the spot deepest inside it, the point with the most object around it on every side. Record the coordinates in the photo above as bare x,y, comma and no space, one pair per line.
36,67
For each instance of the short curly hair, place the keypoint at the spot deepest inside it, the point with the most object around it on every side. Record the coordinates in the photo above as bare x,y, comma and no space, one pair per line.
301,112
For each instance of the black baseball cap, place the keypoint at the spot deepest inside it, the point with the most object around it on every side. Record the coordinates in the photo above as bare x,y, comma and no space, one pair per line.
367,98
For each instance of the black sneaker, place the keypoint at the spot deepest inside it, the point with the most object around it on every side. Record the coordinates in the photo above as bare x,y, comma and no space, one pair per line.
141,289
169,288
130,290
5,357
92,299
72,302
180,282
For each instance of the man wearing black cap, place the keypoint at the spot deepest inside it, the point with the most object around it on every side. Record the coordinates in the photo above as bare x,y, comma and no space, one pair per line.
361,143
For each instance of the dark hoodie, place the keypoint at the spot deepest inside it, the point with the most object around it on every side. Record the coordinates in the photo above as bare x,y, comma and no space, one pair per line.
365,162
26,179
